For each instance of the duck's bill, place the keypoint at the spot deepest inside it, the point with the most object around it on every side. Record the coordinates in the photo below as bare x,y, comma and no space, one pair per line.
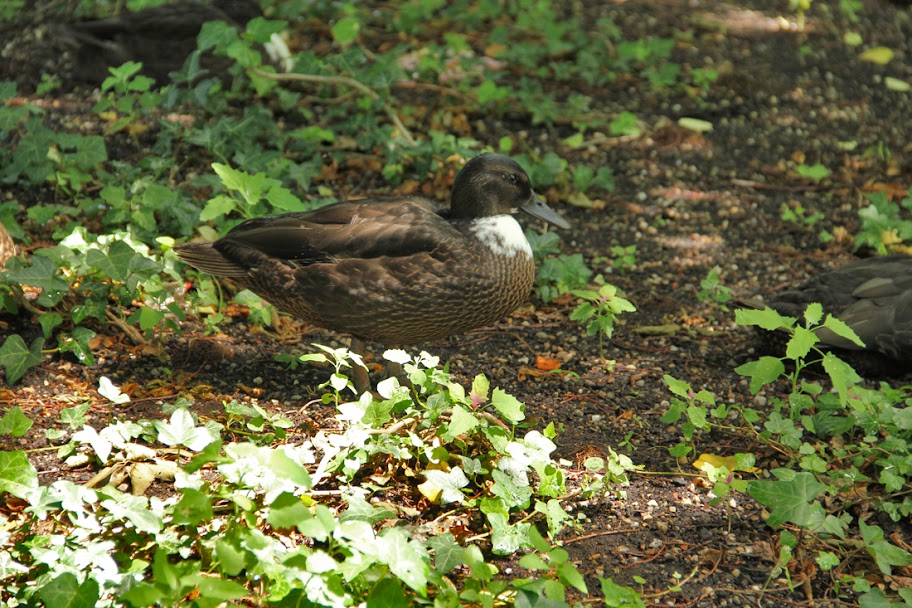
537,208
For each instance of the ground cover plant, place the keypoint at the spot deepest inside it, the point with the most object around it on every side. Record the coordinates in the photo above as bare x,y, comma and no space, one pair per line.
621,441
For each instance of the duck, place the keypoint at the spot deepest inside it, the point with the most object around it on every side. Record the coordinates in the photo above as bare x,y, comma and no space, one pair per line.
160,37
873,296
393,270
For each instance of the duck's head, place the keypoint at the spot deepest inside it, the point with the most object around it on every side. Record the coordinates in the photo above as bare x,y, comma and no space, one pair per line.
493,184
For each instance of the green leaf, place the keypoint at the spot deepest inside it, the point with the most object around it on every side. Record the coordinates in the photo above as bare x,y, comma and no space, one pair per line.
194,508
793,500
43,275
800,344
14,423
115,262
884,553
461,422
287,511
220,590
508,406
406,559
218,206
767,318
387,593
762,371
617,596
447,552
839,327
841,374
17,359
816,172
181,430
65,591
17,475
345,30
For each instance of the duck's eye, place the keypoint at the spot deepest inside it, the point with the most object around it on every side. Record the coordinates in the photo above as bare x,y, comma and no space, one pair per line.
513,178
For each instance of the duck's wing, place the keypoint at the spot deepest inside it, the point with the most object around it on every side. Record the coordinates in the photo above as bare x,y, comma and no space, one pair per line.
368,229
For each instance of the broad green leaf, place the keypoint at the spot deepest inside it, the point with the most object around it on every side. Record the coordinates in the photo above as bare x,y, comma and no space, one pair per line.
619,595
461,422
509,406
841,374
813,313
444,486
792,500
448,554
387,593
801,343
839,327
181,430
17,475
507,539
407,559
345,30
14,423
884,553
194,508
762,371
65,591
114,262
17,358
287,511
767,318
134,509
43,275
220,590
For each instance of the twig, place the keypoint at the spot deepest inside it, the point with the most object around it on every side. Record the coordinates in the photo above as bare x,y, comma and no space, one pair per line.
344,81
126,328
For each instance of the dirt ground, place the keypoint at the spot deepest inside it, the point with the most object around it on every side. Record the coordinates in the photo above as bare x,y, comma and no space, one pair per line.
688,202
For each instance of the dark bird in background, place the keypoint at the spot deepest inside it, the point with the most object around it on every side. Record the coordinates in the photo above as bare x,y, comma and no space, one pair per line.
396,270
160,37
872,296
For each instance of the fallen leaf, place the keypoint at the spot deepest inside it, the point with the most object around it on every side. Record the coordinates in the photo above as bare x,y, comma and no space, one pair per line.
880,55
547,364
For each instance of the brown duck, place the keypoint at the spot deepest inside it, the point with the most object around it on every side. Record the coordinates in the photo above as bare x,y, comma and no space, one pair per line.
393,270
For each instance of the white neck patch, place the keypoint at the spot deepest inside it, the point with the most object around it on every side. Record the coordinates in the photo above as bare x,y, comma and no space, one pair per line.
502,234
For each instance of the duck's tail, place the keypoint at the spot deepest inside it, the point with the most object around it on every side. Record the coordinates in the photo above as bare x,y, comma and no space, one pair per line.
205,257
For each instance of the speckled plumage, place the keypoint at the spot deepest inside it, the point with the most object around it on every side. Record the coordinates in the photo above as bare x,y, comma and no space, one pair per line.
874,297
393,270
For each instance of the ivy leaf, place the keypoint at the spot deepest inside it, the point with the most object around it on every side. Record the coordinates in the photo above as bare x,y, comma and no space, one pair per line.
110,392
444,486
43,275
15,423
17,475
65,590
346,30
180,430
884,553
16,358
406,559
100,444
387,594
447,552
790,500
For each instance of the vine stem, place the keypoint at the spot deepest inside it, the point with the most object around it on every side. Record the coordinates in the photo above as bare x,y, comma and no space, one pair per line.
344,81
